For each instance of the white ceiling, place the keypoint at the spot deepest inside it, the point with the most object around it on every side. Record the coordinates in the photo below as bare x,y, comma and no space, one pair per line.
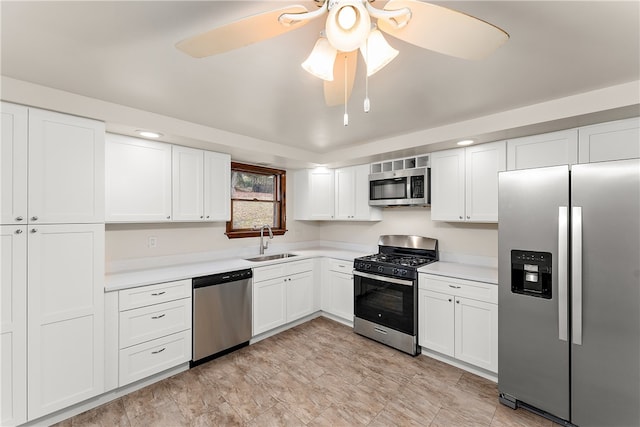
123,52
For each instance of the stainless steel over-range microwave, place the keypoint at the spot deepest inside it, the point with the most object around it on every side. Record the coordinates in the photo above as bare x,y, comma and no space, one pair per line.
408,187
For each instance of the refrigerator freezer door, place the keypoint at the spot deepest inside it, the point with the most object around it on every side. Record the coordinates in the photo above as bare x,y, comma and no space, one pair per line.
533,359
606,366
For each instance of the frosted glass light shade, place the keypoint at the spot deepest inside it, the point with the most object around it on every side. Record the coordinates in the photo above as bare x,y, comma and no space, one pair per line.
321,59
377,52
357,25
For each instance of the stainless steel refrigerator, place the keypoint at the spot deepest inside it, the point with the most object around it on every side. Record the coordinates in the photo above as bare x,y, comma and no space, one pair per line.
569,292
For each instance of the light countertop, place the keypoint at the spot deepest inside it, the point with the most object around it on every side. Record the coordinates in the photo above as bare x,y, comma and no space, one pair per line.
148,276
462,271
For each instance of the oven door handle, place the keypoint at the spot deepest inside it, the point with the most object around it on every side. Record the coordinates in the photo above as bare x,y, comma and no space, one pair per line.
383,278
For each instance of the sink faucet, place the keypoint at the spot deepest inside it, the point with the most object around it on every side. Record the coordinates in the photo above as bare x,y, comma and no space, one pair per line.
264,245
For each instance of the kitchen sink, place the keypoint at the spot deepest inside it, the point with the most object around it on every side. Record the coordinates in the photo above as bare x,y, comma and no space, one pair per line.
270,257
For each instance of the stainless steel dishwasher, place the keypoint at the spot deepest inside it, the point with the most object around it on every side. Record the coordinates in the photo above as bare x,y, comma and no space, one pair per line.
221,314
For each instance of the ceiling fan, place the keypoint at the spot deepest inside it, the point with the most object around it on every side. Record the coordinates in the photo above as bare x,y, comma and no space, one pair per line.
349,27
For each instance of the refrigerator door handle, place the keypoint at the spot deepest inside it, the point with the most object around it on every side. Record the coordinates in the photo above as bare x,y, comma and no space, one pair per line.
563,228
576,283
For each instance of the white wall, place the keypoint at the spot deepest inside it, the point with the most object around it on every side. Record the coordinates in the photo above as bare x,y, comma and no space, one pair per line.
457,238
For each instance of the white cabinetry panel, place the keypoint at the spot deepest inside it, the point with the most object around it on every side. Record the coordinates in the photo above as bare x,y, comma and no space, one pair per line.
66,321
13,325
13,164
610,141
155,321
217,186
187,184
447,185
436,320
66,168
138,180
549,149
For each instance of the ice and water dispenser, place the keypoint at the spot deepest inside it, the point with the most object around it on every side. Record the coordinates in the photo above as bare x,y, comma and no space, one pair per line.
531,273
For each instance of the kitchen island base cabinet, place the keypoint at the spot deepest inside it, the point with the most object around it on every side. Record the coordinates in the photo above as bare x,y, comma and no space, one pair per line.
459,318
282,293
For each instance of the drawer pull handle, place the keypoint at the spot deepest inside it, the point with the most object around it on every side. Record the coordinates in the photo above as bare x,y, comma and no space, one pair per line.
159,351
158,317
158,294
454,287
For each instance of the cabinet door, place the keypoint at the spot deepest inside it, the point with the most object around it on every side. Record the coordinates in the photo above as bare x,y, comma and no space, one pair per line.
217,186
299,296
66,316
187,183
269,309
549,149
447,185
66,168
13,325
341,295
483,162
321,194
13,164
344,193
138,180
609,141
363,211
476,333
436,322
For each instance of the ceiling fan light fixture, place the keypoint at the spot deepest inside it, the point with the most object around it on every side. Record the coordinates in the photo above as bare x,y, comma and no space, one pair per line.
377,53
321,60
348,25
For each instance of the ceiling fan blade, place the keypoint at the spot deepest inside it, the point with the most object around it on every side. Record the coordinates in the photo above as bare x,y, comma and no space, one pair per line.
444,30
240,33
334,90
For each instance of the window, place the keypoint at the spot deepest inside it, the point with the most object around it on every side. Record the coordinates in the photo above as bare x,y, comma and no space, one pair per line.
257,198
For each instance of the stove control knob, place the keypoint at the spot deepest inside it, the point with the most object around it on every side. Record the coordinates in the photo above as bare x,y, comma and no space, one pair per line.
367,266
396,271
404,272
380,269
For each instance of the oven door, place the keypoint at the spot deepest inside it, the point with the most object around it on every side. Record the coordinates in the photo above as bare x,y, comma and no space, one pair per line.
386,301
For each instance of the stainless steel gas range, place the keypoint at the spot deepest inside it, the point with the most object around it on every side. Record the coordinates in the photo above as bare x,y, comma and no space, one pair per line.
386,290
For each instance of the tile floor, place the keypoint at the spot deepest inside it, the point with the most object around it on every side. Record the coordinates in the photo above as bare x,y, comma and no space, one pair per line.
317,374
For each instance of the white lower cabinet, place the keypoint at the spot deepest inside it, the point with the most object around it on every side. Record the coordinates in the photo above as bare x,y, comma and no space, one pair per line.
65,362
459,318
337,291
154,329
13,324
282,293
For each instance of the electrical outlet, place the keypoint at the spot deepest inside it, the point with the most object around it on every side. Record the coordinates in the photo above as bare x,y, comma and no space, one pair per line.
152,242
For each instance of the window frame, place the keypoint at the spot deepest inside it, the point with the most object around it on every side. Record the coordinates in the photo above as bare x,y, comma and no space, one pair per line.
280,193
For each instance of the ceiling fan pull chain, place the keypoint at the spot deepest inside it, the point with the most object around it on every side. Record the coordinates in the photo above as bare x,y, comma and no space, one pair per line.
346,114
367,103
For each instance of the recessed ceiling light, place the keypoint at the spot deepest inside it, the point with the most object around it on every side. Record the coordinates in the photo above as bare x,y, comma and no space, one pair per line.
466,142
148,134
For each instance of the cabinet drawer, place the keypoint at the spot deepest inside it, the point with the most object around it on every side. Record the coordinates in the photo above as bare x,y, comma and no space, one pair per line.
153,294
341,266
154,321
143,360
279,270
463,288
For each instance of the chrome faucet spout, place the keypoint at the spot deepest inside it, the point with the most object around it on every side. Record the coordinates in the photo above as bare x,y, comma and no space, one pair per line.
264,245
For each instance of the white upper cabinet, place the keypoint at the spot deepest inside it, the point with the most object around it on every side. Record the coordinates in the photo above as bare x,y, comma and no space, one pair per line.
201,185
549,149
217,186
13,164
464,183
340,194
447,185
138,180
149,181
66,168
314,194
64,180
352,195
609,141
188,184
